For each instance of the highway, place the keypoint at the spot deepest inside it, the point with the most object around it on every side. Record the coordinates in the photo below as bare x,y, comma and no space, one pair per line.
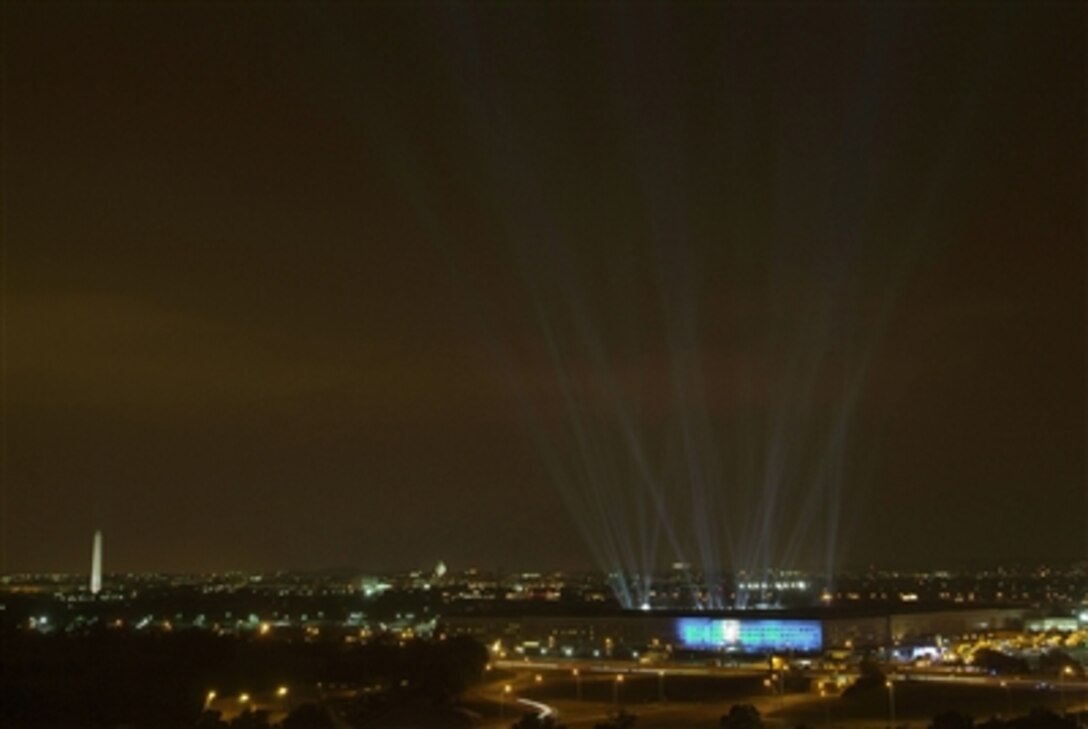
613,668
556,688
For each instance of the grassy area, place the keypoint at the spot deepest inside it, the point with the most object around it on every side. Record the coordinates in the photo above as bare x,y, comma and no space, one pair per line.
920,701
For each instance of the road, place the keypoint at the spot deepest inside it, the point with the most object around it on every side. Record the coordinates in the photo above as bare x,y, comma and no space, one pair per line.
917,695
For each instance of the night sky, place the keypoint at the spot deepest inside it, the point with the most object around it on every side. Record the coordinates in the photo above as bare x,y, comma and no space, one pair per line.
314,285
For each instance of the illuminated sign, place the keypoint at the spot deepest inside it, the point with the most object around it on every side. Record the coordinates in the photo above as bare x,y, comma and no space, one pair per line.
750,636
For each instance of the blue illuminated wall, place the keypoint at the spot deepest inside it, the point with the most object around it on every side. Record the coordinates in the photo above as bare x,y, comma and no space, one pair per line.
750,636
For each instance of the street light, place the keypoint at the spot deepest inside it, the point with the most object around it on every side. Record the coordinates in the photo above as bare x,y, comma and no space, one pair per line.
243,698
577,683
209,699
780,678
616,692
661,686
1066,671
506,689
891,701
1008,699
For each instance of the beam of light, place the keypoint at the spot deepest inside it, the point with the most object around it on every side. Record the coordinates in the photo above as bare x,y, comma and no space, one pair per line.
628,504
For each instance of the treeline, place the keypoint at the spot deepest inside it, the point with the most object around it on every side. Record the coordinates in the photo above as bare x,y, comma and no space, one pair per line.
1034,719
111,678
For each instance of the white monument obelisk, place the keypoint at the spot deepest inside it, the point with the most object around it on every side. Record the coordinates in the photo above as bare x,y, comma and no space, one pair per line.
96,564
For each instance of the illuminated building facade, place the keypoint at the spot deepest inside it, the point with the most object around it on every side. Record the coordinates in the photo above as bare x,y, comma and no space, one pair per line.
633,633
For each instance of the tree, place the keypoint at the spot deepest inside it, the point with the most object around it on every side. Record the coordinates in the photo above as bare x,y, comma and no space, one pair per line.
307,716
1055,663
464,660
742,716
210,719
994,661
251,720
952,720
531,720
621,720
871,676
1042,719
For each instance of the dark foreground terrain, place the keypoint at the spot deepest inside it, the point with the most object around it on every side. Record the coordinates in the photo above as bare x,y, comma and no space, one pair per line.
111,679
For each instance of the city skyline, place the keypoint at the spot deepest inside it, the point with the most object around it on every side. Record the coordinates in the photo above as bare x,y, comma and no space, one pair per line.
602,287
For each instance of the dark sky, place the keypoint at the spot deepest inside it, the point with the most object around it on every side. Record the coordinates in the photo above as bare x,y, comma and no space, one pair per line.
307,285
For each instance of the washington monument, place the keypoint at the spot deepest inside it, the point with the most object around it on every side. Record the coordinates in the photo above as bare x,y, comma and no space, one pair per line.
96,563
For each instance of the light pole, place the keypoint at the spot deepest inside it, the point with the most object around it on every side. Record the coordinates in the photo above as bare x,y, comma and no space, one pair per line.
891,701
577,684
616,692
502,699
209,699
281,694
774,684
1008,699
1066,671
661,686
